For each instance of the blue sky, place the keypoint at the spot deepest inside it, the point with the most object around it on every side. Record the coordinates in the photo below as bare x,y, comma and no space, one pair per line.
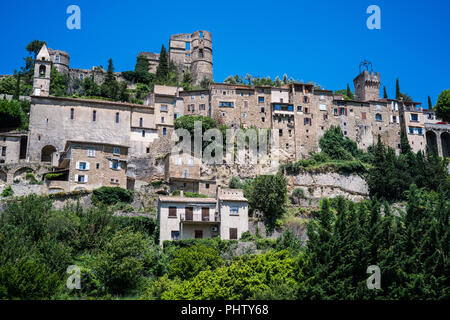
322,41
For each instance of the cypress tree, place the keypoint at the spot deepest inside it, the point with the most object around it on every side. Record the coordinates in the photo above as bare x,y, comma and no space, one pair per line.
110,87
17,89
384,92
349,92
397,90
430,105
162,71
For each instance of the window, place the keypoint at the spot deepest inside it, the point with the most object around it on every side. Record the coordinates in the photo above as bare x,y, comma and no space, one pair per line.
234,211
281,100
414,117
175,235
363,115
191,162
192,97
200,53
203,96
246,103
143,133
226,104
280,131
306,110
80,178
114,164
233,234
82,166
202,106
3,151
207,186
164,131
57,58
141,122
244,115
263,109
223,114
147,150
263,119
305,99
164,107
260,99
335,111
97,166
191,107
172,212
299,108
185,173
117,117
91,152
325,116
198,234
162,119
72,113
81,77
307,121
378,117
94,115
116,150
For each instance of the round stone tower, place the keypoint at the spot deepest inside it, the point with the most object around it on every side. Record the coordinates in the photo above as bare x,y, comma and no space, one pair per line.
201,56
60,60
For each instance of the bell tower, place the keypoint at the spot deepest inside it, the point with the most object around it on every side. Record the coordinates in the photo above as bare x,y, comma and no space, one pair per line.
42,67
367,83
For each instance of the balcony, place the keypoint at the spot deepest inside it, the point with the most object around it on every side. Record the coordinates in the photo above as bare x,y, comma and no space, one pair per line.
199,218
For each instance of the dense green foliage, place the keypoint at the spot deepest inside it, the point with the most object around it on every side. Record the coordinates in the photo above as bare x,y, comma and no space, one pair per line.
442,107
391,175
259,81
112,195
14,114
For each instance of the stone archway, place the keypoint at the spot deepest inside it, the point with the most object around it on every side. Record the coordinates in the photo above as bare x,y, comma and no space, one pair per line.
432,143
46,153
3,177
445,140
21,173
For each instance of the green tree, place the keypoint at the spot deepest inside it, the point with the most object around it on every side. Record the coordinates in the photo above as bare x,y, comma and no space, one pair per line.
110,87
442,107
162,72
188,262
384,92
274,189
58,83
123,260
350,93
397,89
430,105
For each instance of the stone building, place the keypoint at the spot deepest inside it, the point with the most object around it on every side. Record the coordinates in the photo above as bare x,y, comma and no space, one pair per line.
189,52
89,165
13,147
187,218
182,172
437,133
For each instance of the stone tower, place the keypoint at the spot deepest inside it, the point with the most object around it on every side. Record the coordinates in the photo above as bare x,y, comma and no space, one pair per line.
42,67
60,59
367,86
192,52
201,56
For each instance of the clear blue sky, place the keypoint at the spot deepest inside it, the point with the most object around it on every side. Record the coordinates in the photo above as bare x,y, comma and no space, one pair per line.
322,41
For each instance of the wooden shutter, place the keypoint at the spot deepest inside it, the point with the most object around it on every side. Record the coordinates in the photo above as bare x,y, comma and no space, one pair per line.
345,110
189,212
198,234
205,214
172,212
233,233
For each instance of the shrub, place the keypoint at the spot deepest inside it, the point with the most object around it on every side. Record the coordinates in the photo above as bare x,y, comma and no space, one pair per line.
297,195
247,237
31,178
188,262
112,195
7,192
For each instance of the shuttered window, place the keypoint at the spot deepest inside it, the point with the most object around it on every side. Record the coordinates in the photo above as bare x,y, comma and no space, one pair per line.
172,212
